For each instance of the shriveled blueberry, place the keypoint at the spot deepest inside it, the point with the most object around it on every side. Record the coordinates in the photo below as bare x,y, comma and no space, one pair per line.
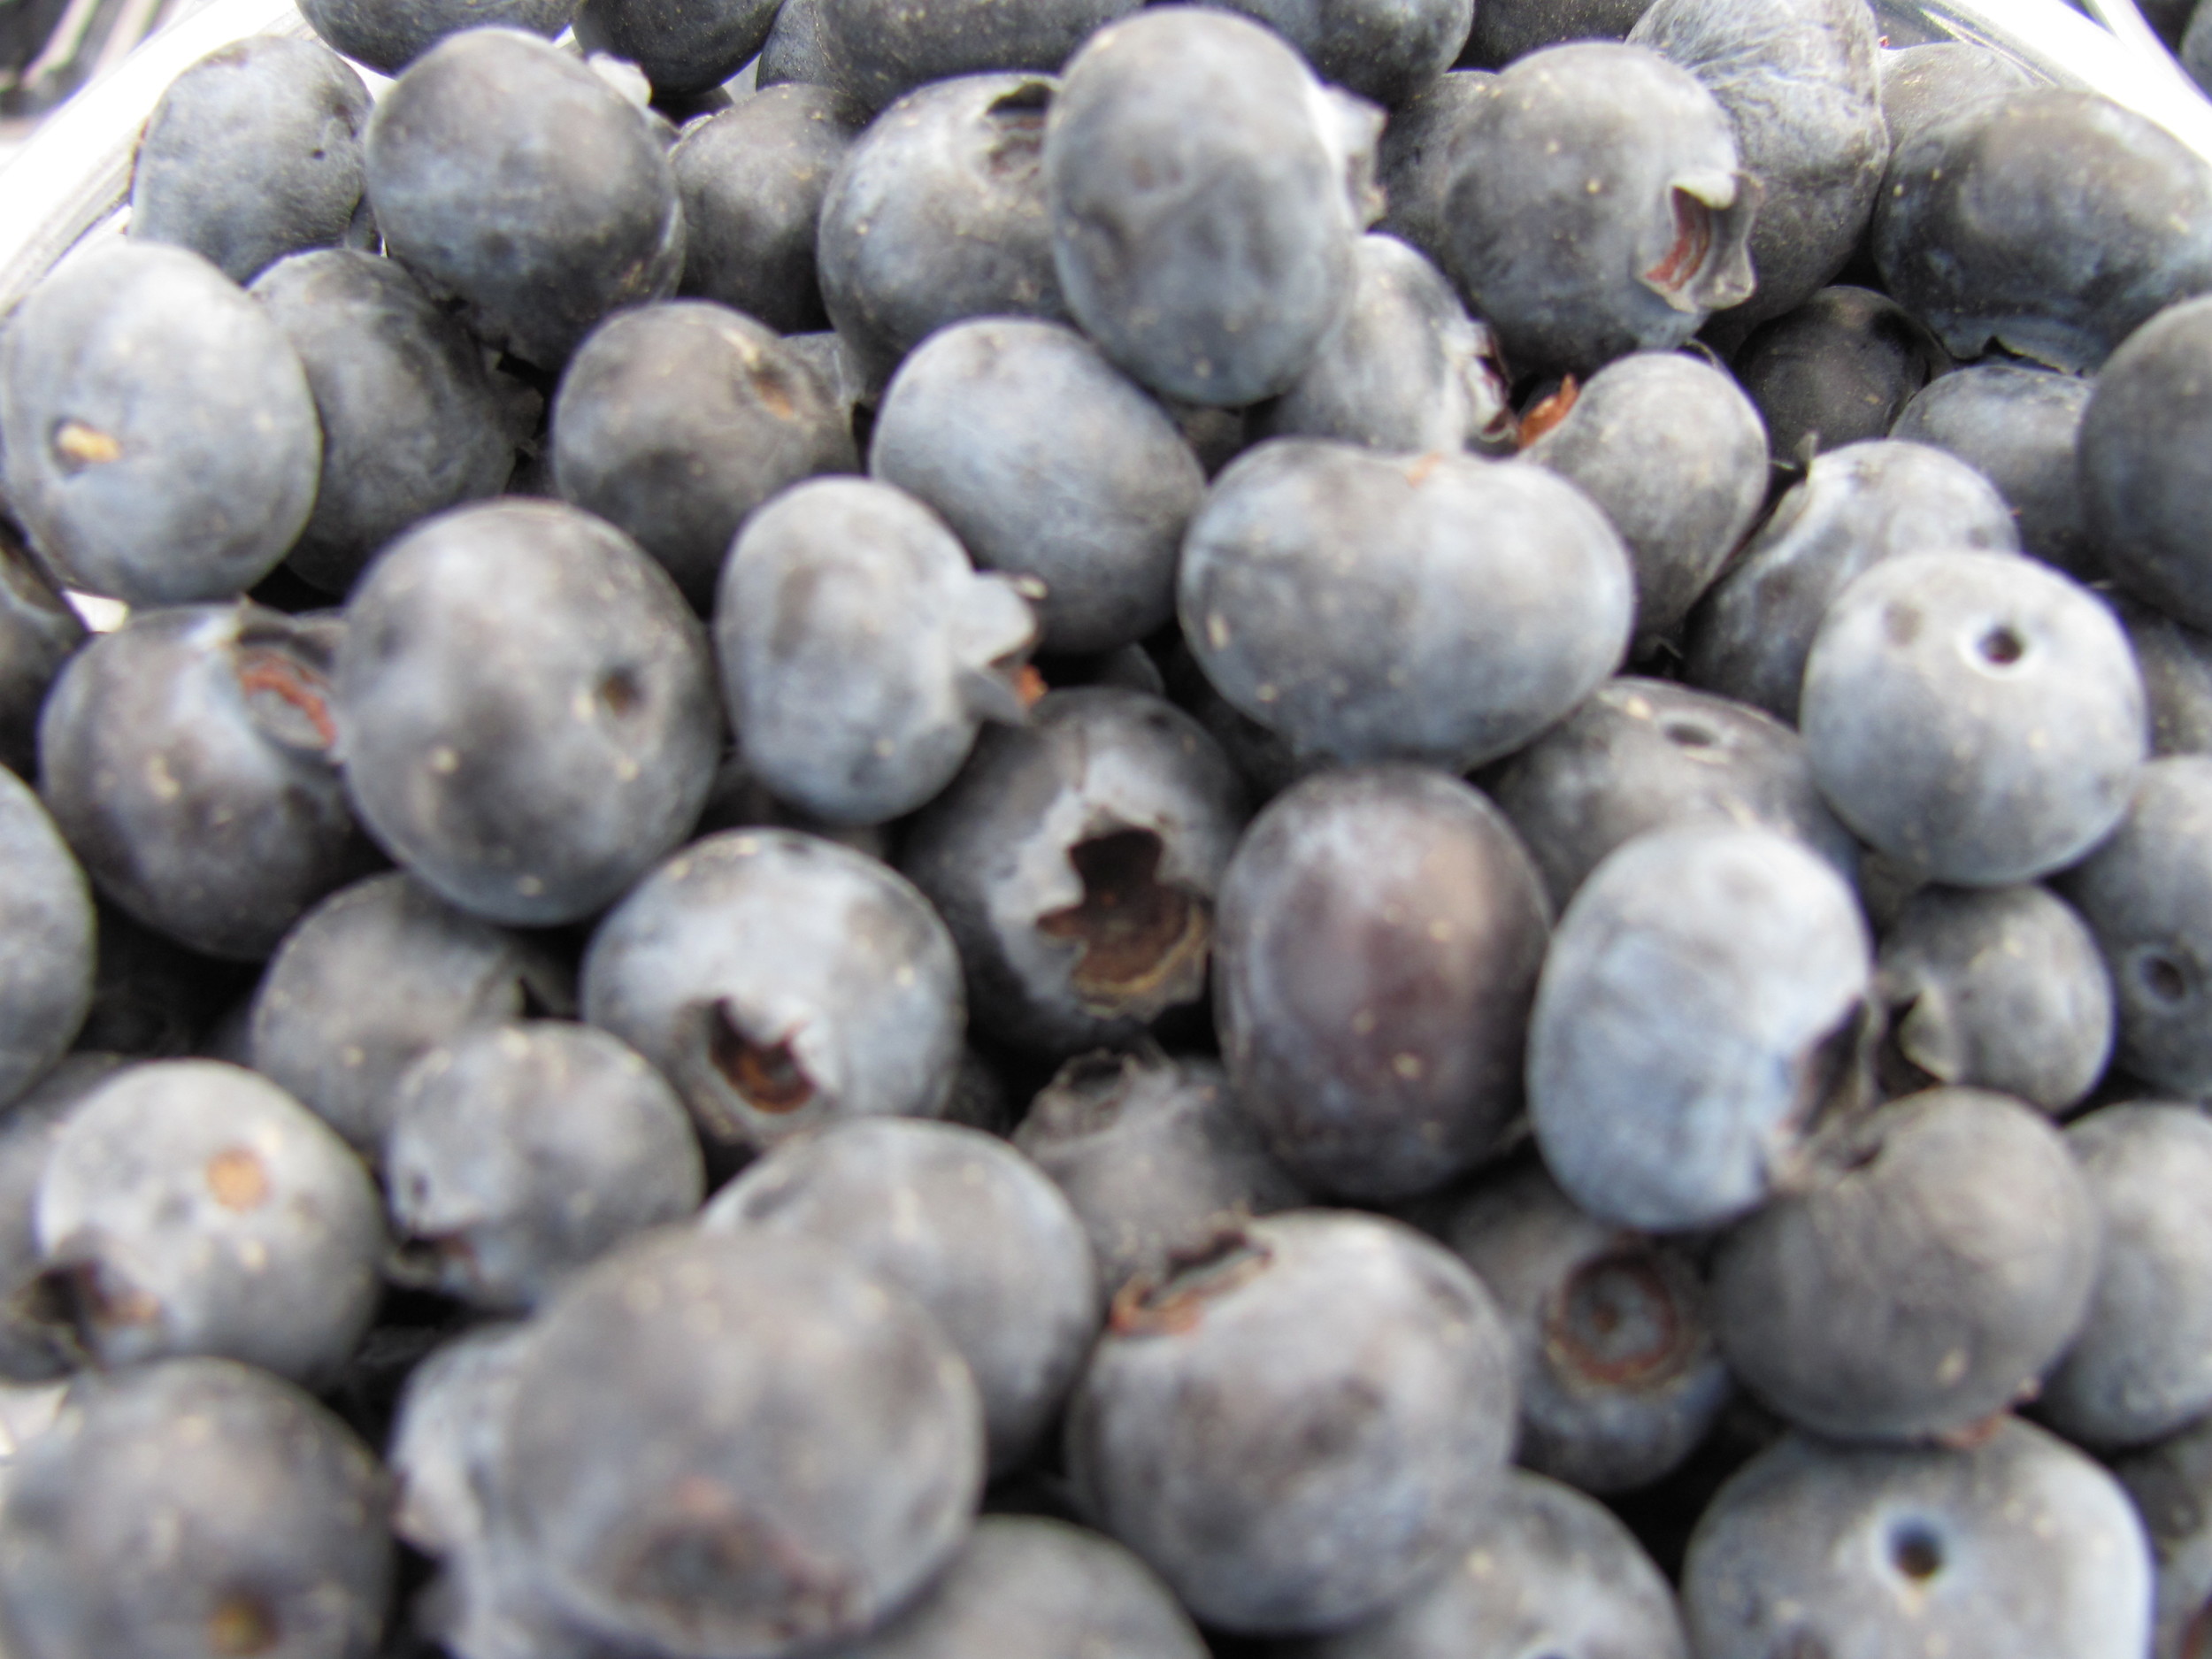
28,1134
411,421
2168,1482
1937,1261
1547,1571
186,757
389,35
1924,84
1597,207
2143,472
874,50
1295,1427
519,1153
674,421
253,153
190,1207
2001,988
1405,368
38,632
1414,160
376,976
527,709
1204,192
1836,370
1506,29
2141,1367
1378,941
1803,87
1857,506
1639,754
974,1234
2018,427
779,980
2177,664
722,1444
46,918
752,179
522,187
1617,1373
683,48
860,652
2051,223
1076,861
2146,894
160,438
1676,455
1977,717
195,1507
1047,461
1381,50
937,213
1699,1007
2016,1547
1439,608
1027,1587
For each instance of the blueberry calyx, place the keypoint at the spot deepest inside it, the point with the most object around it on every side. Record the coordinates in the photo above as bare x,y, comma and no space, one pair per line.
1173,1300
1619,1321
1142,941
1707,266
767,1076
285,681
77,446
711,1551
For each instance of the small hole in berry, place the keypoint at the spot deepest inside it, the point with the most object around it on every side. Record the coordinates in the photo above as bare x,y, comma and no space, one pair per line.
1689,734
2163,978
1917,1552
2000,647
619,692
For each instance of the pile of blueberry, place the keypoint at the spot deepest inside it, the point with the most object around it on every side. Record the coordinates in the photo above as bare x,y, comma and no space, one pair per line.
1112,834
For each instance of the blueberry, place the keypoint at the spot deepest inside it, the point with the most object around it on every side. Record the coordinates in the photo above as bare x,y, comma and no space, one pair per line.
2017,425
673,422
1414,160
1639,754
2177,664
187,756
195,1507
778,980
1676,455
1857,506
446,1435
1836,370
389,35
1040,1589
413,422
1977,717
1699,1008
2146,894
752,179
1439,608
520,186
46,917
937,213
1076,861
2016,1545
2142,472
1597,207
1381,50
1154,1154
1803,87
1924,84
519,1153
130,380
254,152
963,1225
189,1207
1378,939
875,50
723,1444
682,49
1296,1427
1548,1572
527,709
860,652
1506,29
1204,191
1936,1262
2001,988
2051,223
1405,367
2142,1365
1618,1371
795,51
27,1134
2168,1482
372,979
38,632
1047,461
